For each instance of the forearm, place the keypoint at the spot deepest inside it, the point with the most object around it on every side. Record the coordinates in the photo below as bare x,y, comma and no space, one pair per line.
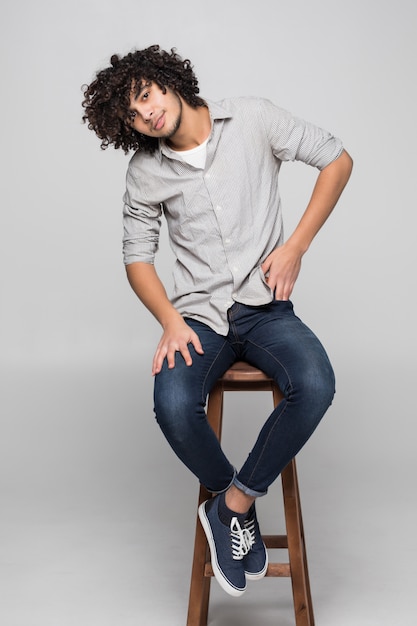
282,266
177,335
147,285
327,190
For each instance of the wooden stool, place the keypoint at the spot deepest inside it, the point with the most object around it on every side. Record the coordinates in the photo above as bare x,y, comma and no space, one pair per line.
244,377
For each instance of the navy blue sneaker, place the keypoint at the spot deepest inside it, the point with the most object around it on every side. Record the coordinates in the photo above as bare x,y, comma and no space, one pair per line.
255,562
228,545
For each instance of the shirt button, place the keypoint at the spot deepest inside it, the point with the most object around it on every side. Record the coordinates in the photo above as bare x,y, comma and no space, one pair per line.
218,208
227,241
235,269
234,295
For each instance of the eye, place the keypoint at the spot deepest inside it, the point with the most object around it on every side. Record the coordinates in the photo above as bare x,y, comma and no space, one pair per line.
145,95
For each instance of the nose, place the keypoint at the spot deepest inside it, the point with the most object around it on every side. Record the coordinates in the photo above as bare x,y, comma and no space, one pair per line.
147,115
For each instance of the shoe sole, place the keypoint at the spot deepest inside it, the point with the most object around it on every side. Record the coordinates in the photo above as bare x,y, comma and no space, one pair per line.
258,575
220,577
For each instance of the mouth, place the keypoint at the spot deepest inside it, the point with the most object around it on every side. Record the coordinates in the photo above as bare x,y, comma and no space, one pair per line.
159,122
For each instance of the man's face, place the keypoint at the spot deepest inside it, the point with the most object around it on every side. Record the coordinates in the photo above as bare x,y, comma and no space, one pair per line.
154,113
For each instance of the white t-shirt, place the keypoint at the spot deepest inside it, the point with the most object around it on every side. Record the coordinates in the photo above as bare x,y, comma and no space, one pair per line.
195,157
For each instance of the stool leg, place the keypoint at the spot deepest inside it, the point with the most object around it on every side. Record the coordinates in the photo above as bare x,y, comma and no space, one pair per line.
215,409
303,605
200,584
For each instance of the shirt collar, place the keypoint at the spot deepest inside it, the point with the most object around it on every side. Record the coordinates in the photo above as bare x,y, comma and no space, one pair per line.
217,112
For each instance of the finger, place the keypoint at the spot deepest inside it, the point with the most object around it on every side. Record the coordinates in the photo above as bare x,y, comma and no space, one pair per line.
171,358
158,359
265,266
283,292
195,340
278,289
186,355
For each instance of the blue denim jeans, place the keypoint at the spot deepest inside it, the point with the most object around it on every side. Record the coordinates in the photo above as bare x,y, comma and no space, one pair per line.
273,339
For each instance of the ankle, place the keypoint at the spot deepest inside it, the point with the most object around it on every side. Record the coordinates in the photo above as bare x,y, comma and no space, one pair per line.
238,501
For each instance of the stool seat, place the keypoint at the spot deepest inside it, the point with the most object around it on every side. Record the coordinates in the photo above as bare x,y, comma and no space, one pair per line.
242,376
243,372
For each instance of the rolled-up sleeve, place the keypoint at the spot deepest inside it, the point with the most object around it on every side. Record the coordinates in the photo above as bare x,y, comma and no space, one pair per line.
141,223
294,139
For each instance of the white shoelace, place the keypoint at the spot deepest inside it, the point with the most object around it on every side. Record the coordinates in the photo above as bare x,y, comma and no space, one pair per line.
250,527
241,540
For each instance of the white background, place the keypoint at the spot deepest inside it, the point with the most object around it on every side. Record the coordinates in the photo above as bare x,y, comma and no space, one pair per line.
97,514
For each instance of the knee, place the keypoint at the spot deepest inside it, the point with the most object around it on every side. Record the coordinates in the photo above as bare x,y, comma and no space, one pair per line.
324,390
173,392
171,405
175,413
316,388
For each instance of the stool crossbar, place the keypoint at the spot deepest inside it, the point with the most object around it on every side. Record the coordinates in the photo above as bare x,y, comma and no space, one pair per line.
244,377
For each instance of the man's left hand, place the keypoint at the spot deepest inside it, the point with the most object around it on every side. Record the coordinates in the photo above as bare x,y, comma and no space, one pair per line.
281,269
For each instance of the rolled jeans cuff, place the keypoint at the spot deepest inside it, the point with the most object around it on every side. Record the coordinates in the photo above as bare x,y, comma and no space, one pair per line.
216,491
247,490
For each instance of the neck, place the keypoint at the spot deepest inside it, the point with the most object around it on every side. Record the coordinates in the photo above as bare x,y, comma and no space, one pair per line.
194,128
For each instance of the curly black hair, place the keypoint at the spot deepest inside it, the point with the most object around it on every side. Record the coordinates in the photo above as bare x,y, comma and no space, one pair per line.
107,98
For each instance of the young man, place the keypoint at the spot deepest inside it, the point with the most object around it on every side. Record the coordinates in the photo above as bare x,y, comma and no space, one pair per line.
212,169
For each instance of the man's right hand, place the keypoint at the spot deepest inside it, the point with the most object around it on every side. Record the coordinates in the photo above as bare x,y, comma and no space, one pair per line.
176,337
177,334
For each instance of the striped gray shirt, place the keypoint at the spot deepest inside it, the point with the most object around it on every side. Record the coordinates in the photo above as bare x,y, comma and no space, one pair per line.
225,219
